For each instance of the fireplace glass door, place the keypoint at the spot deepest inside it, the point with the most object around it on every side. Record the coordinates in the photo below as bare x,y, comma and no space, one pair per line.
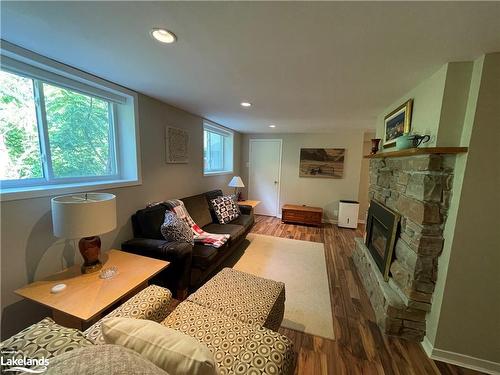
381,230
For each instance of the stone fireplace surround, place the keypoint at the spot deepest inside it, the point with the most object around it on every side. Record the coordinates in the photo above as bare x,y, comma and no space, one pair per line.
419,189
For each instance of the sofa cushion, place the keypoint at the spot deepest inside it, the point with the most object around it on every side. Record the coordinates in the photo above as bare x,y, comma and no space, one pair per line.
235,231
225,208
197,206
102,360
238,348
211,195
44,339
203,256
149,220
167,348
244,220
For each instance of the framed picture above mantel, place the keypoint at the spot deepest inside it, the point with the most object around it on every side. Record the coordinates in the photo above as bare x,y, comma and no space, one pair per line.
397,123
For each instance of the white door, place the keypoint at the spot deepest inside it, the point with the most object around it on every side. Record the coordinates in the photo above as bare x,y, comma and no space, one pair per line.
264,175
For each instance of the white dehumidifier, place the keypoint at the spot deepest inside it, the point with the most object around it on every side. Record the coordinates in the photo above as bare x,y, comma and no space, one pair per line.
348,214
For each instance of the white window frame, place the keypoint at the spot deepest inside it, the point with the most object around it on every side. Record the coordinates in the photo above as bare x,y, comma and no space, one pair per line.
123,124
227,148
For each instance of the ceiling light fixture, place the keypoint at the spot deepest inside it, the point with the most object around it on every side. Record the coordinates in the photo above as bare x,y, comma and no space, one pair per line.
246,104
272,126
163,36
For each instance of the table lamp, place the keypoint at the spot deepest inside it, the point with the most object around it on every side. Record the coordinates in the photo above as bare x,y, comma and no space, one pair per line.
85,216
236,182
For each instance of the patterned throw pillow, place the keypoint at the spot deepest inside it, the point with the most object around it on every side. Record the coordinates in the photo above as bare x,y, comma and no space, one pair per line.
45,339
226,209
175,229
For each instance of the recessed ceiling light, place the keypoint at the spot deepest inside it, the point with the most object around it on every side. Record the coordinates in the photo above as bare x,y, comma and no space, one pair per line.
272,126
163,36
246,104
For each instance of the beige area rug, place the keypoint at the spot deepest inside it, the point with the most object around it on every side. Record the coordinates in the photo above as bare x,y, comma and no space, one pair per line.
301,266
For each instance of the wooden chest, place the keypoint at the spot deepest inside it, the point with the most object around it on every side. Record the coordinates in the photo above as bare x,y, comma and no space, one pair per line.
301,214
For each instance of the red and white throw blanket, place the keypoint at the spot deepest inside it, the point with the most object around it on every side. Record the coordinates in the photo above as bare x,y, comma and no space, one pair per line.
199,235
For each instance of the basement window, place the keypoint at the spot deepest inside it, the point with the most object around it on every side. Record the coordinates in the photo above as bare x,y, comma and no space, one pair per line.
60,134
217,150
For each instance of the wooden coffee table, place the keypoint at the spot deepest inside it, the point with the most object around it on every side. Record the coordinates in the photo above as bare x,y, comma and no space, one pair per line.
87,296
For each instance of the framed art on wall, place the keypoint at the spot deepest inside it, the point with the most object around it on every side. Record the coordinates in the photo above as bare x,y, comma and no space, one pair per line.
322,162
176,145
397,123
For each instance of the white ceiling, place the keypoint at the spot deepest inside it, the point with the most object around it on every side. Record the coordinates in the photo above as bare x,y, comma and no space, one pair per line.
305,66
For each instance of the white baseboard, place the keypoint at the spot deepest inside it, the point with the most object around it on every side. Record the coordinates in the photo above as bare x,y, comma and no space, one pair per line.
458,359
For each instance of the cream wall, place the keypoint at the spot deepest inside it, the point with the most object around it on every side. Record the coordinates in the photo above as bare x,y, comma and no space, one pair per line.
427,100
463,324
320,192
30,251
469,320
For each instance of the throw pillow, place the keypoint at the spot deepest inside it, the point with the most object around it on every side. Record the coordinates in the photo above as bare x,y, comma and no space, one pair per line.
102,360
175,229
44,339
226,209
169,349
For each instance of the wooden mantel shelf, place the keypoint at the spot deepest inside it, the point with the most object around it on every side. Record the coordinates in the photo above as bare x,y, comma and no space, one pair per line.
418,151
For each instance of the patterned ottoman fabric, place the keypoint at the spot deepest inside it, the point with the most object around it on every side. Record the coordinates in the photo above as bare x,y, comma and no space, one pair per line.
45,339
238,348
151,303
248,298
102,360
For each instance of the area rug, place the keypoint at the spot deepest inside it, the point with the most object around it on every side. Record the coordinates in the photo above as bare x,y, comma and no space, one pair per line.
301,266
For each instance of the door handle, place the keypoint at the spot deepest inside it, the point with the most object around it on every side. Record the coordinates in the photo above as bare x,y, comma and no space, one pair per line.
275,182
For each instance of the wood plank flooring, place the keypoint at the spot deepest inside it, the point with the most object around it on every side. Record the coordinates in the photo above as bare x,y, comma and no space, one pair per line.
359,346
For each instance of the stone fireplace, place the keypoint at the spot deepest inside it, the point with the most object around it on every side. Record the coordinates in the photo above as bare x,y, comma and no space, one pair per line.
417,189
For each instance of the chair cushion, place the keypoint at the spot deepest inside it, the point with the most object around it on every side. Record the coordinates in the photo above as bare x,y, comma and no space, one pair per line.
245,297
225,208
238,348
168,349
175,229
102,360
151,303
197,206
44,339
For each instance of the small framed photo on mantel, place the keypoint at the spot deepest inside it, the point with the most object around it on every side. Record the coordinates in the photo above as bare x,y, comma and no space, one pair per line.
176,145
397,123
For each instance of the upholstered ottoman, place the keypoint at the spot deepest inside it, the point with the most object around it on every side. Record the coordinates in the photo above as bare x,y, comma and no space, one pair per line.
244,297
238,348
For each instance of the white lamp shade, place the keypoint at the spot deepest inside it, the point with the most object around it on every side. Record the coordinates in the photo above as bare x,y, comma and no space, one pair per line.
83,215
236,181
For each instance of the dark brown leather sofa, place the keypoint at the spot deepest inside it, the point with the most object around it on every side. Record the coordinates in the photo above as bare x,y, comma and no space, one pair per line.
190,266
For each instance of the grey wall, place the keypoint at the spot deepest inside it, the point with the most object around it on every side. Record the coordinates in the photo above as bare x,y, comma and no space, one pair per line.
320,192
29,251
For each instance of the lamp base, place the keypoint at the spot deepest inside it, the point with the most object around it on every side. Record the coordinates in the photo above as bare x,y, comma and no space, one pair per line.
90,248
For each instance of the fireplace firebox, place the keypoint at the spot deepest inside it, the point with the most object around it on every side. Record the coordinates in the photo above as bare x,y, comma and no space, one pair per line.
381,230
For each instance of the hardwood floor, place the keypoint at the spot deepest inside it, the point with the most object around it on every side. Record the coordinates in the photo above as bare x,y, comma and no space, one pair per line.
359,346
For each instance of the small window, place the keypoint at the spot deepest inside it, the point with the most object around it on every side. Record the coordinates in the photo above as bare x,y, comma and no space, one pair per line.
62,130
217,150
50,134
